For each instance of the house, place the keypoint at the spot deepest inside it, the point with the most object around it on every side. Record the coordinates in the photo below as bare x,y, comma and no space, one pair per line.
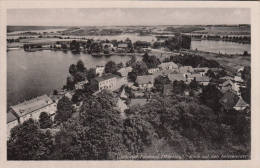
100,70
107,45
153,70
124,71
107,81
12,121
121,106
168,65
186,69
201,71
122,45
193,76
176,77
229,85
240,105
80,85
138,94
228,100
238,79
145,81
203,80
33,108
58,46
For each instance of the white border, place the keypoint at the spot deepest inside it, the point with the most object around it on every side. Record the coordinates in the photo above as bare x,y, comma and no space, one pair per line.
255,60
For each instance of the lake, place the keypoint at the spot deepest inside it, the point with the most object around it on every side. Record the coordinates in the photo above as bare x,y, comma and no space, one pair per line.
31,74
220,46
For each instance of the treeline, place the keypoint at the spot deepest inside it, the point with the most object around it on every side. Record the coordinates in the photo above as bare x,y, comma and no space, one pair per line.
178,42
194,61
237,39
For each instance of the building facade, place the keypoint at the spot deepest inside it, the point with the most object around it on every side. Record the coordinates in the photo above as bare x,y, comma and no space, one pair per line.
33,108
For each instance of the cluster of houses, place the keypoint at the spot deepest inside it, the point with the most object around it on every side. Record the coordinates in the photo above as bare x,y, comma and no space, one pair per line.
106,81
230,87
174,73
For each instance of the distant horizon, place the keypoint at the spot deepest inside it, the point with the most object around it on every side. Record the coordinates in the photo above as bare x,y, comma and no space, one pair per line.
133,25
127,16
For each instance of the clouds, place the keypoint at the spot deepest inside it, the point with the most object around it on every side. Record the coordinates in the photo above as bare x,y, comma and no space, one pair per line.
127,16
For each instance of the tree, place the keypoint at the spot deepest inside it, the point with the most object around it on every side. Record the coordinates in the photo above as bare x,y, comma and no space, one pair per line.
45,120
194,84
131,61
150,61
138,134
110,67
64,110
28,142
160,81
81,66
105,125
210,96
132,76
91,73
75,46
70,83
179,87
73,69
140,68
79,76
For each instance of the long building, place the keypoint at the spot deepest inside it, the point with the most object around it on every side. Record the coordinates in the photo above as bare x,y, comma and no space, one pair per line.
33,108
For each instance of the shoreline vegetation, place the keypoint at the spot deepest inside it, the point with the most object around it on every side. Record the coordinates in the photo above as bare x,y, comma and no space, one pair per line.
195,104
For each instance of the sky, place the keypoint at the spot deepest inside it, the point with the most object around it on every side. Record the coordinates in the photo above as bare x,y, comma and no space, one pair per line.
127,16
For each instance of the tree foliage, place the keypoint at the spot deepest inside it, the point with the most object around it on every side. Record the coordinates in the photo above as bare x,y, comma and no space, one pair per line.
64,110
28,142
45,120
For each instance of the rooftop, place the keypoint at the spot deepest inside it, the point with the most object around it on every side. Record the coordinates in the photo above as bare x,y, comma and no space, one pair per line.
125,71
10,117
241,103
32,105
166,64
144,79
105,77
177,77
202,79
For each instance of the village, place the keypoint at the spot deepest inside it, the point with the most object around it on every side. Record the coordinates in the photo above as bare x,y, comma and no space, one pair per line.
128,85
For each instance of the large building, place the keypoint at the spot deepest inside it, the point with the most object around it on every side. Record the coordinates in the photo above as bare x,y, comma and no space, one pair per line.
33,108
12,121
167,66
107,81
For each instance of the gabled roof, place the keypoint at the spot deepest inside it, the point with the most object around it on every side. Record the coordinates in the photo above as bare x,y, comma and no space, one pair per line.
202,79
122,45
228,82
241,103
194,75
145,79
125,71
227,78
177,77
167,64
31,105
186,69
105,77
228,100
10,117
